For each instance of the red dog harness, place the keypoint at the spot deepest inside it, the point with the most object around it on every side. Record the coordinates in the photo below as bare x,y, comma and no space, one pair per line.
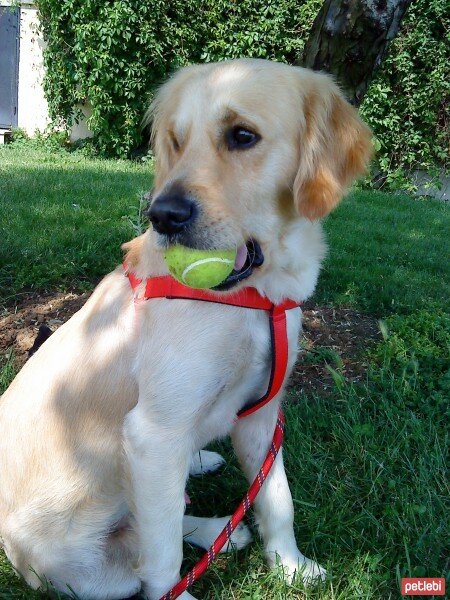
167,287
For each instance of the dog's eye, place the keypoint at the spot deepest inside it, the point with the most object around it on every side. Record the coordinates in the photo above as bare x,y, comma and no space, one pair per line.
240,138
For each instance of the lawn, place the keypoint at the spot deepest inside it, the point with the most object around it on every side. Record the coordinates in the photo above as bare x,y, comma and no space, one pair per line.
366,459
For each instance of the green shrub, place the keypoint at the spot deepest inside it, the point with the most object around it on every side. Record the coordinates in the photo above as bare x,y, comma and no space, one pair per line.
275,29
115,53
407,104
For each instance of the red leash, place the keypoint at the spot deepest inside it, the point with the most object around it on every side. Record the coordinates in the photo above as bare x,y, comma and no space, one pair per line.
167,287
198,569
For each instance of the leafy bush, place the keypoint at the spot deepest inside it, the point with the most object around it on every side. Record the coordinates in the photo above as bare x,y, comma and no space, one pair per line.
407,104
113,54
275,29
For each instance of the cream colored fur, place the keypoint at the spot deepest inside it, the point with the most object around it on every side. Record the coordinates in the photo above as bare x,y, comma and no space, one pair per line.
99,429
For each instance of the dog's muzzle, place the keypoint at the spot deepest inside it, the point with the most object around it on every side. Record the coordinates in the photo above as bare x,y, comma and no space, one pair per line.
172,214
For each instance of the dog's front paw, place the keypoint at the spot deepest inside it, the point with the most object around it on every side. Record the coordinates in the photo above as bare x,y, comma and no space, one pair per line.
240,537
204,462
203,532
298,566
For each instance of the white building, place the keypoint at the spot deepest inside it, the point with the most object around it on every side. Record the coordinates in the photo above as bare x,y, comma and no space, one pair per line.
22,99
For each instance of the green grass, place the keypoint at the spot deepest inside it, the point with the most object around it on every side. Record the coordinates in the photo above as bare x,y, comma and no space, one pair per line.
387,253
64,217
366,462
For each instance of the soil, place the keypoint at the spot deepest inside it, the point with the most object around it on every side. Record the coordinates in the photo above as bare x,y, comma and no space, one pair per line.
335,336
338,337
19,324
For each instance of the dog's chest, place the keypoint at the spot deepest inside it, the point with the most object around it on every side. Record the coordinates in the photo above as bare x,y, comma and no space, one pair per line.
206,360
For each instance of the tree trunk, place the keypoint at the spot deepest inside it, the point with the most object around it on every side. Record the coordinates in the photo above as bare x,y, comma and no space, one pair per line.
349,39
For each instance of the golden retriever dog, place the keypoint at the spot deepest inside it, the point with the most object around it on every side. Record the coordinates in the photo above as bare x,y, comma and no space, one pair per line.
101,427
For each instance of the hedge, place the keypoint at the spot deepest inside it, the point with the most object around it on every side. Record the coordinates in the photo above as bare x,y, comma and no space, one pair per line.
114,54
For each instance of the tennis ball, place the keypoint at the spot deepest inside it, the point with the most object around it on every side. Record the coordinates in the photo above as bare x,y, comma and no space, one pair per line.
199,269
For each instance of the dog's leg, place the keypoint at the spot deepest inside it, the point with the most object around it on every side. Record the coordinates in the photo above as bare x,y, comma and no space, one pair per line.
83,566
202,532
274,509
159,456
204,462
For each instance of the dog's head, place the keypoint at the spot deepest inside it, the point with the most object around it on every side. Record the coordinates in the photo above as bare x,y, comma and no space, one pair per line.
243,148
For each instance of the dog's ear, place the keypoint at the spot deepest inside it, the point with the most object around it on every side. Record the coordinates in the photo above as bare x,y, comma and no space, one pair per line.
335,148
155,120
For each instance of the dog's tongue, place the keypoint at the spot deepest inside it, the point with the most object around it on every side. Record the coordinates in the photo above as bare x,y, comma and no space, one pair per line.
241,256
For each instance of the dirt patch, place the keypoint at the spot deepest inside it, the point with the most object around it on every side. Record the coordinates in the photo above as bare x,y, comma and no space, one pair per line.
331,336
19,325
337,337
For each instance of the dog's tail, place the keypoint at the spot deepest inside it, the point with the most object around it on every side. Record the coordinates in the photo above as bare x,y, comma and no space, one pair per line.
43,334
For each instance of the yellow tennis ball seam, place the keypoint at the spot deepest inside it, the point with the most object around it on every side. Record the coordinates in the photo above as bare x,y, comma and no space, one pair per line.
204,261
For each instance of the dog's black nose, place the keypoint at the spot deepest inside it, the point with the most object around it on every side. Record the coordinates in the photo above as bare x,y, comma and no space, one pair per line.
170,213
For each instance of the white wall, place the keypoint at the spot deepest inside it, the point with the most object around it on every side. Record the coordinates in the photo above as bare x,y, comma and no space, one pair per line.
81,131
32,110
